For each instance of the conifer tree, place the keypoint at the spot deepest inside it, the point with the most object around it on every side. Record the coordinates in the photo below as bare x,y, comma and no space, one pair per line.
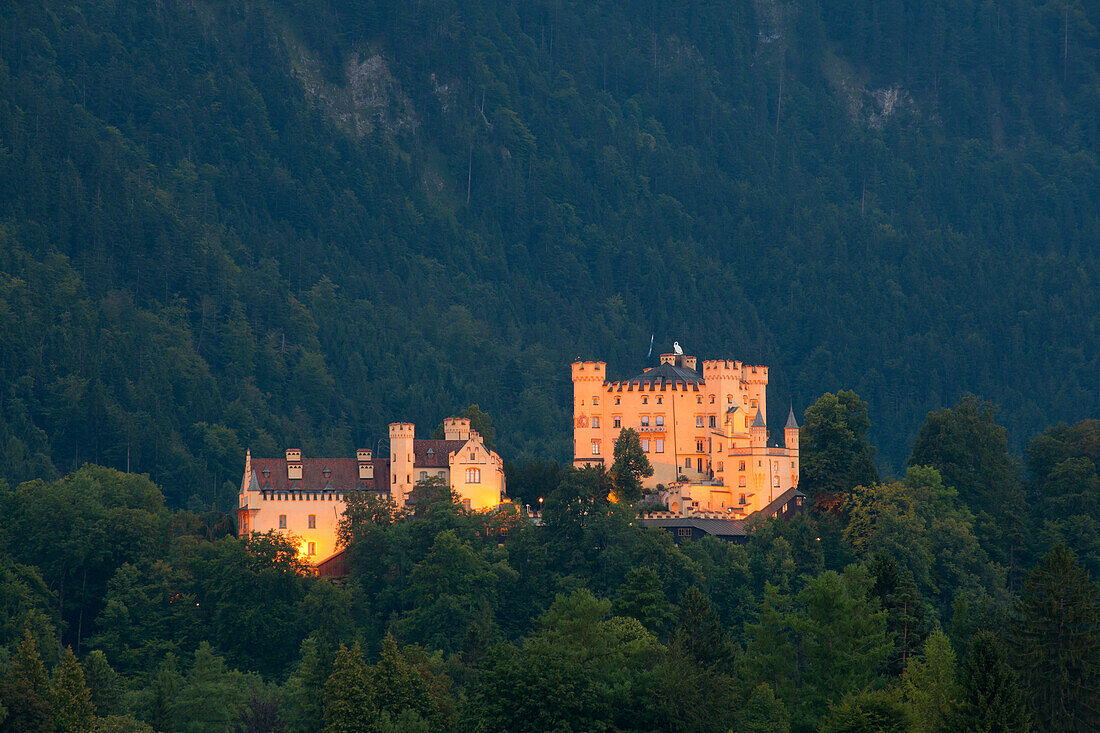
700,634
72,702
398,685
631,465
990,700
349,694
770,657
27,665
304,691
103,682
930,685
1057,643
25,691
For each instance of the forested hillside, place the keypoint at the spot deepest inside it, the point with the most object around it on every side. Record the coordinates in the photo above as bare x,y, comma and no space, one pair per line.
251,223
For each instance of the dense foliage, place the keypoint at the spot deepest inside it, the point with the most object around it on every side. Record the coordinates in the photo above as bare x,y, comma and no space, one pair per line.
885,609
268,224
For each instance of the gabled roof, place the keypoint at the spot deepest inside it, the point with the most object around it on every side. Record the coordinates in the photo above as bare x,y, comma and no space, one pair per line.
434,453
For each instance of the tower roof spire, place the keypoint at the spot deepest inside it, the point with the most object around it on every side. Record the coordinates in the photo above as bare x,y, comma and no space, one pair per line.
759,421
791,422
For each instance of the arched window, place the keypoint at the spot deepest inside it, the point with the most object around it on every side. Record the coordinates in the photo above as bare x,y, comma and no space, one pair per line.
473,475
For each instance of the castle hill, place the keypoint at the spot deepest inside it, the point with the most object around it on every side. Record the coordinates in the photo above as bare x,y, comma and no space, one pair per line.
371,366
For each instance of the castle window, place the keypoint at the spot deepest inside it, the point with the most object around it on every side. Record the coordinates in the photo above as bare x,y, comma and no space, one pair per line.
266,472
423,475
596,422
719,465
687,463
775,481
645,445
659,445
473,475
698,446
466,504
699,399
282,521
742,500
752,404
595,401
595,447
729,399
431,454
741,481
658,400
327,471
645,400
311,548
473,456
645,421
442,474
713,421
617,422
712,399
698,421
312,521
683,531
618,400
660,420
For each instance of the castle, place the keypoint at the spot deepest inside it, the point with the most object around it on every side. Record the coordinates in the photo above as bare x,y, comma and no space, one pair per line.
704,432
305,496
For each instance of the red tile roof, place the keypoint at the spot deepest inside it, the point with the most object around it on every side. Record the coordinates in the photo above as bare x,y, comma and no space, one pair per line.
343,474
440,450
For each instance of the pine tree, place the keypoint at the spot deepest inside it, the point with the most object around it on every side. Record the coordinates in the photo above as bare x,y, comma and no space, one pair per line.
1057,643
72,702
990,700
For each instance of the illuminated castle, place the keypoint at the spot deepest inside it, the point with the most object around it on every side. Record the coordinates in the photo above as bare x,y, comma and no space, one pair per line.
305,496
704,431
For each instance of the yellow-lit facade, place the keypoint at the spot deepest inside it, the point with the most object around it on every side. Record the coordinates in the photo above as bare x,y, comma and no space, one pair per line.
305,497
702,426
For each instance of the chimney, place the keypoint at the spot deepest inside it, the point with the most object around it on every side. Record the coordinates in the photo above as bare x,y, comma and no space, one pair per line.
366,468
294,464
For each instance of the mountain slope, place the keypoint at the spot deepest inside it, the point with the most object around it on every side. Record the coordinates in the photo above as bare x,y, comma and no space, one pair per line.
255,224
